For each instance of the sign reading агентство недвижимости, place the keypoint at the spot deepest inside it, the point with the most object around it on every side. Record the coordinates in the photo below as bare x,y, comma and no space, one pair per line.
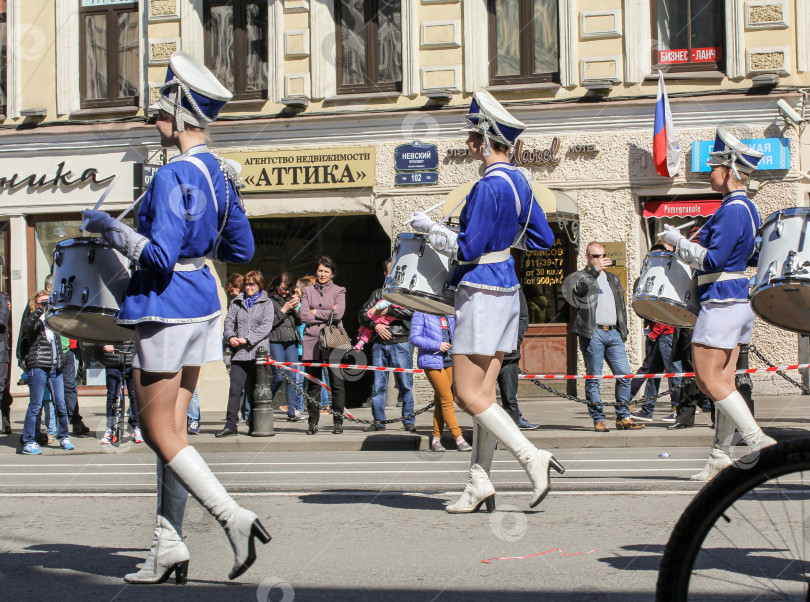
306,169
776,150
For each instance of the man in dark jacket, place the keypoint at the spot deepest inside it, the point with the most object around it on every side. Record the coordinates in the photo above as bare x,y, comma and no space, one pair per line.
392,347
508,375
117,361
5,364
601,324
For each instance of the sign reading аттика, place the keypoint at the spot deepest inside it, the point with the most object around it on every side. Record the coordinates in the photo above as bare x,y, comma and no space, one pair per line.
307,169
776,150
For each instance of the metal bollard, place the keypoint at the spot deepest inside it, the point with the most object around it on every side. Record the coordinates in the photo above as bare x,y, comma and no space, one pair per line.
262,412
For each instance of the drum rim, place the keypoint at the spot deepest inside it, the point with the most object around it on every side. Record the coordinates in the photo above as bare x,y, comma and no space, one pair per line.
83,309
781,280
679,325
414,235
790,211
83,240
680,304
411,293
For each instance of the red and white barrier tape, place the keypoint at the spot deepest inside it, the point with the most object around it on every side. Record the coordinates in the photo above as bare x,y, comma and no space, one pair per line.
535,376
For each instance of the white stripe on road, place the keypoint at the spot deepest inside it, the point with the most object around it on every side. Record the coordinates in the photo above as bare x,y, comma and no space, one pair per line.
343,493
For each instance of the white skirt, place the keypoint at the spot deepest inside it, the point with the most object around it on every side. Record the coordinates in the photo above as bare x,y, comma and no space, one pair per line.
724,325
486,321
163,347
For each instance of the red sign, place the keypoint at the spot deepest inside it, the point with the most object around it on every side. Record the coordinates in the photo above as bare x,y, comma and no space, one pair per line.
705,55
691,208
673,56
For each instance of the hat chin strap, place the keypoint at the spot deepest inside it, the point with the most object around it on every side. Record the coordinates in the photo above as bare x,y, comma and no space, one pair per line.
182,90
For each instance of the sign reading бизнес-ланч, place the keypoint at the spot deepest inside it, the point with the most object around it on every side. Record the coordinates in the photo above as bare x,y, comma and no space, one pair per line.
306,169
776,151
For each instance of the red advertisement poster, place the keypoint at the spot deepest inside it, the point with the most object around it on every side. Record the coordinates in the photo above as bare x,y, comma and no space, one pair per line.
669,57
705,55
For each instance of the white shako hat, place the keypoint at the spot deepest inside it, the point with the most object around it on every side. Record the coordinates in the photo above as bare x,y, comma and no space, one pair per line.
730,152
192,94
489,118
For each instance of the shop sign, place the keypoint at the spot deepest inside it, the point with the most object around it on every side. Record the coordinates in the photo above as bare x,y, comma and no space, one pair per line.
545,268
617,251
144,172
307,169
416,178
537,156
416,156
690,208
776,151
683,55
61,178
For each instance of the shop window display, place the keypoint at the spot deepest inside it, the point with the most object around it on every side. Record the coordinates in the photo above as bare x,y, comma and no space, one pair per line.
541,276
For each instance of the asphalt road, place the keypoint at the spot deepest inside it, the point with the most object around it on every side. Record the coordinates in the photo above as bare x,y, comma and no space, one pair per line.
351,526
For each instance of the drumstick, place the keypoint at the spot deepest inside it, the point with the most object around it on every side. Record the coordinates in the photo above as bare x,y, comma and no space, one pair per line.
101,200
682,226
436,206
131,207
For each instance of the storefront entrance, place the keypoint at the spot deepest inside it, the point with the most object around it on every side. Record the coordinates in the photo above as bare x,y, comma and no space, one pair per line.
357,243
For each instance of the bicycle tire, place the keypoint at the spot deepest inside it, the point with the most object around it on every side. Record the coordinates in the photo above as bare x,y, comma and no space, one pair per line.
712,504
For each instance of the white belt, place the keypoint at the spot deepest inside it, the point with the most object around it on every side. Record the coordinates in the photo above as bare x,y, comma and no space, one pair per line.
494,257
189,264
719,277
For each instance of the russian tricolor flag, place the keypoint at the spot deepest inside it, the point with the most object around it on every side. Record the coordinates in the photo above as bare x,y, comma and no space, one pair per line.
666,152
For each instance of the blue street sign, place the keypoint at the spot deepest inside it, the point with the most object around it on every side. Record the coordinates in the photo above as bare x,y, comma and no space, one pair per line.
777,153
417,178
416,156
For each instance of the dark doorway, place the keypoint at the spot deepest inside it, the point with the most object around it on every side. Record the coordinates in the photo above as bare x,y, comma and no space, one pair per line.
357,243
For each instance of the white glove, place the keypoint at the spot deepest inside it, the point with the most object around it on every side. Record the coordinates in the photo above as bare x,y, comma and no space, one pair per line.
690,253
671,235
120,236
443,239
421,222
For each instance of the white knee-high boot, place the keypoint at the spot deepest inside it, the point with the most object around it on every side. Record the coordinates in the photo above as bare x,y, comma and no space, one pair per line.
168,552
737,412
240,525
479,489
536,462
719,457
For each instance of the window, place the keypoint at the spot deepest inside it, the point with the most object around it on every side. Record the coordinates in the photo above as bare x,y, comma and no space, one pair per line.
369,48
523,41
109,53
236,45
690,35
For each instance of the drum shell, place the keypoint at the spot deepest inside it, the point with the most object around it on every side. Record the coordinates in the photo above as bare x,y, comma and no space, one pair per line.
666,291
780,291
90,280
420,276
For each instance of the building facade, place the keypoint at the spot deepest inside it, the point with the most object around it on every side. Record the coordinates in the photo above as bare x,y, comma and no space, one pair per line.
346,117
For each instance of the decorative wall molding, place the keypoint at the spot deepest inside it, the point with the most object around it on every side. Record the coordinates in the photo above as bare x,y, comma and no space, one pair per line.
735,39
803,35
568,42
67,58
766,14
296,43
440,1
588,64
637,40
430,76
192,35
143,61
161,49
275,50
441,34
410,47
163,10
323,48
297,84
771,59
476,44
296,6
592,28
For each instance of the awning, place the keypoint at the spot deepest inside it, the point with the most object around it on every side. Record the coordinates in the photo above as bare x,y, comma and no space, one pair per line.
552,201
690,208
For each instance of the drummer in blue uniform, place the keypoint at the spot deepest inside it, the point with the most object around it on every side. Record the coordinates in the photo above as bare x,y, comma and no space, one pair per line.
500,212
191,212
725,247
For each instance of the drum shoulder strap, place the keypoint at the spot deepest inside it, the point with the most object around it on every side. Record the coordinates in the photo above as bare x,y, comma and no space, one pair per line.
518,204
201,166
751,215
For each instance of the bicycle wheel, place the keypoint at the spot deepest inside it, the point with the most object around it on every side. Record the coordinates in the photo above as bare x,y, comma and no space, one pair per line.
745,535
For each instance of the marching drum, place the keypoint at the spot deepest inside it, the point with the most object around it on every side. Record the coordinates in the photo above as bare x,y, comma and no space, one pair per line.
90,279
780,292
420,277
666,291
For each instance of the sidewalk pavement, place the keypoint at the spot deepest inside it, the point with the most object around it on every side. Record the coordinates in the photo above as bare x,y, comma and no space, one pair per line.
564,424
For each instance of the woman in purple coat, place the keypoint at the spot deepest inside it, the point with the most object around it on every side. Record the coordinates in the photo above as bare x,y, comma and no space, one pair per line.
433,336
322,302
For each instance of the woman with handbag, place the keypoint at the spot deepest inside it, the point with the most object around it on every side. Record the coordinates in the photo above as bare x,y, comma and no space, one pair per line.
247,327
323,304
284,341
